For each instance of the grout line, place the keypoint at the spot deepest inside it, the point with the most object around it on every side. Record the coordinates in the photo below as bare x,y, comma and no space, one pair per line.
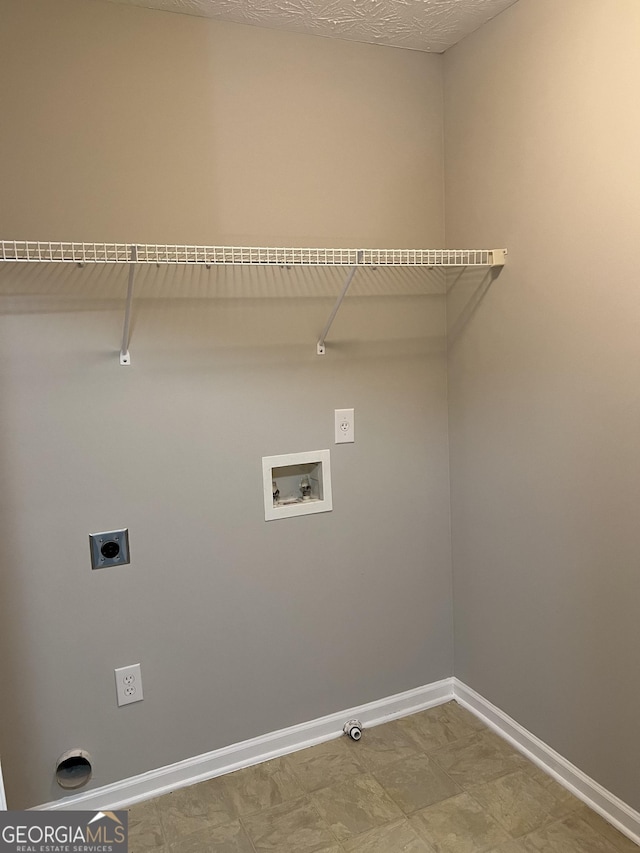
246,832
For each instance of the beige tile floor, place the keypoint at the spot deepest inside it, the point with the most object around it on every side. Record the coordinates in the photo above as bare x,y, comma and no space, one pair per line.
435,782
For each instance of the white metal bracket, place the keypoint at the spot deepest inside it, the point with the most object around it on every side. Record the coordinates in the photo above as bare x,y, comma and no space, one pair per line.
320,346
125,358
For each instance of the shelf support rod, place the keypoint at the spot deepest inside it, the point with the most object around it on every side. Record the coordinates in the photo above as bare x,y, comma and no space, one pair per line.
320,347
125,358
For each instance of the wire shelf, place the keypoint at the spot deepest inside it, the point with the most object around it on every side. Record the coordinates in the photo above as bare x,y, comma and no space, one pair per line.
33,251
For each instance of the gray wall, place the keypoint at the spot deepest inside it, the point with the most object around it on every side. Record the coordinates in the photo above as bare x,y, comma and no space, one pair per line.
542,139
126,124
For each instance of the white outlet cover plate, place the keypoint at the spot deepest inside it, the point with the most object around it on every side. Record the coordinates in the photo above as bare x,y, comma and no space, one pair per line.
129,684
345,426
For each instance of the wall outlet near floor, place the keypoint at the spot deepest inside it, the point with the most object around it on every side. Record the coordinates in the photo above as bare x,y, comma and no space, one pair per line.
129,684
345,426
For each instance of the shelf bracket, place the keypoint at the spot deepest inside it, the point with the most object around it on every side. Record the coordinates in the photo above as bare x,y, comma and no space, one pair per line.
320,347
125,358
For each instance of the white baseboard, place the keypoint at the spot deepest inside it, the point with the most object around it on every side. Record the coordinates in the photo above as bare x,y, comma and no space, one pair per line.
156,782
3,799
612,809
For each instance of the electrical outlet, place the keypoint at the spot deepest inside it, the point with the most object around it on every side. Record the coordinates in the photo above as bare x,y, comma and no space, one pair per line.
345,426
129,684
109,549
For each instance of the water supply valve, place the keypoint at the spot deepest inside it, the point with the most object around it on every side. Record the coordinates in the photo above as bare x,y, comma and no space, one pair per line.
353,728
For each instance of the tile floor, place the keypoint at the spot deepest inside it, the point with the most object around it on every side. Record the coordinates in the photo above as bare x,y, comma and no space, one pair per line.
435,782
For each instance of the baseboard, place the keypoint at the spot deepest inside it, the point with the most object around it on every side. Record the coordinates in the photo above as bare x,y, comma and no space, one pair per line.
207,766
612,809
3,799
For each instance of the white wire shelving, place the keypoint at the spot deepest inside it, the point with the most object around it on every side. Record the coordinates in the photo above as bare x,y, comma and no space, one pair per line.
36,251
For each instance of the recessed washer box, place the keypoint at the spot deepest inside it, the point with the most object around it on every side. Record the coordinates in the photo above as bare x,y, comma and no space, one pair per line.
296,484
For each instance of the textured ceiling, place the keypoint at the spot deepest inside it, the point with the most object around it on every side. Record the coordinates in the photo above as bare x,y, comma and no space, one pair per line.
431,25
